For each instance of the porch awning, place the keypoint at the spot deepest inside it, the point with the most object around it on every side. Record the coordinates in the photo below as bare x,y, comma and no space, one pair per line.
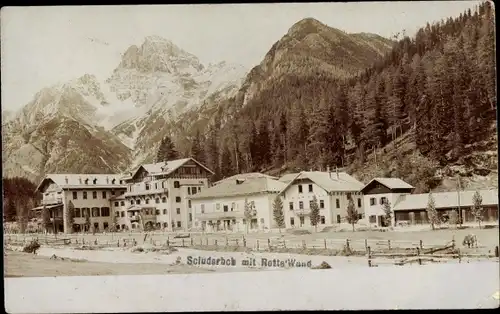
139,207
47,206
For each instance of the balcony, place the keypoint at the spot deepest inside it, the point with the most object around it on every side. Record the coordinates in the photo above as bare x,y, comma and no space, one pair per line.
134,218
145,192
221,215
302,212
52,200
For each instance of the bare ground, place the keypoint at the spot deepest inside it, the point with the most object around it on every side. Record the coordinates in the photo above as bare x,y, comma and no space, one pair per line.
19,264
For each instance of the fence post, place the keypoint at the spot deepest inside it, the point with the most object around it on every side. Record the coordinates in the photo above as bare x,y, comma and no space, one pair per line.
182,242
496,251
268,243
215,242
226,242
347,244
168,241
304,244
284,243
389,244
369,254
366,245
118,243
459,256
237,245
324,242
453,242
191,241
257,244
244,242
418,253
421,244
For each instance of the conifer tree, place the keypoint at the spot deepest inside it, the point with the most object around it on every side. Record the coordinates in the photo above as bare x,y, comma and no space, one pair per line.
315,217
278,214
166,150
70,217
432,213
352,213
477,207
387,213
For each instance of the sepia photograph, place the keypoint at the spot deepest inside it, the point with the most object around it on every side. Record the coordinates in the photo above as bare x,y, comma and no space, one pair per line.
251,156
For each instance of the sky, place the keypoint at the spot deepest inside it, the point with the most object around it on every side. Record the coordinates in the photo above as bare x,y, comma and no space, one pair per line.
43,46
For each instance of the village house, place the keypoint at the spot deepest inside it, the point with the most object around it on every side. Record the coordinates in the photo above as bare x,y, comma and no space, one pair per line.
88,193
222,206
157,194
380,191
412,208
332,190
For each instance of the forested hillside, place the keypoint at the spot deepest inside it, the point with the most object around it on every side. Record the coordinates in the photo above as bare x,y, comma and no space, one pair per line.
19,197
435,92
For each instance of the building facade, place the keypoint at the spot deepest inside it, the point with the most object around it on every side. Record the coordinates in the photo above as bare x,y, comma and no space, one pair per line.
157,194
88,194
222,206
380,191
332,191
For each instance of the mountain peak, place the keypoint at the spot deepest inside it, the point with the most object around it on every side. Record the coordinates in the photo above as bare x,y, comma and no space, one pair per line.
159,54
307,25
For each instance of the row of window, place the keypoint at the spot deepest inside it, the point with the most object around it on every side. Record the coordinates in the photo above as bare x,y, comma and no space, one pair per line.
92,212
321,204
292,220
191,190
94,181
149,211
95,194
373,201
310,189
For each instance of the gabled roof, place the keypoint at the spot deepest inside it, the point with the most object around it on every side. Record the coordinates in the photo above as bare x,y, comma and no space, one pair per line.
74,181
245,176
445,199
166,168
247,187
330,181
391,183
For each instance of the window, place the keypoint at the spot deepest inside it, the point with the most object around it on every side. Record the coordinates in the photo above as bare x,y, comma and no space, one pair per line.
373,201
177,185
84,195
105,211
291,205
116,204
117,214
359,202
310,187
165,225
226,208
122,214
75,195
121,193
178,211
177,199
323,220
112,192
199,189
95,212
138,202
311,202
292,221
156,186
300,188
147,187
164,212
321,204
157,201
337,202
178,224
132,202
96,226
189,190
104,194
77,212
301,220
193,190
157,211
105,226
147,201
122,203
217,206
190,217
202,208
94,194
383,200
301,205
164,200
189,203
